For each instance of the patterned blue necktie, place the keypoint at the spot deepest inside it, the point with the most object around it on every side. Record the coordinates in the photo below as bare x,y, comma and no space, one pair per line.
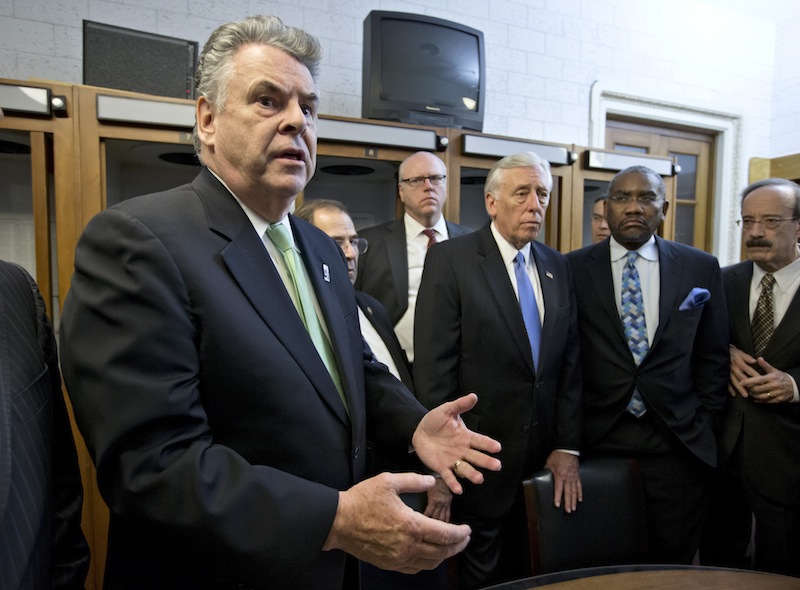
633,321
530,311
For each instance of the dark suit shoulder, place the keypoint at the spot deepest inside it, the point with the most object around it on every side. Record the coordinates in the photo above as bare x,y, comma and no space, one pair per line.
376,232
454,229
591,251
738,269
678,249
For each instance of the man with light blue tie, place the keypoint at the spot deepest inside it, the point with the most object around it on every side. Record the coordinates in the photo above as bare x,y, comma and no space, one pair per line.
496,315
654,350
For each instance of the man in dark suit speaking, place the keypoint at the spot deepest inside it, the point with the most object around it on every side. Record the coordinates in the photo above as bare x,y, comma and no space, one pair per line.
212,350
654,353
496,315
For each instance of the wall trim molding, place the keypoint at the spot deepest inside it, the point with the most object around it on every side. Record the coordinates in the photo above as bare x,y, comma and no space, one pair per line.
617,99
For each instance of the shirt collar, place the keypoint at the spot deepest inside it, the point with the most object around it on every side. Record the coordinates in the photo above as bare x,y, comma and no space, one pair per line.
784,277
507,251
259,223
414,227
648,250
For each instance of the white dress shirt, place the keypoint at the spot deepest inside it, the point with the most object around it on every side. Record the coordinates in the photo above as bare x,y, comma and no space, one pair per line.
376,343
416,249
787,281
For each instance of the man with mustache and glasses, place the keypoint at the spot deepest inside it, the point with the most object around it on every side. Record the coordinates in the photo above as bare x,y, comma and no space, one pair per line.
212,351
760,431
654,350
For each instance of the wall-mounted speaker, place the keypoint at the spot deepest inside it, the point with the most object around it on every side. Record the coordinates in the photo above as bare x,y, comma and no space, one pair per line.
126,59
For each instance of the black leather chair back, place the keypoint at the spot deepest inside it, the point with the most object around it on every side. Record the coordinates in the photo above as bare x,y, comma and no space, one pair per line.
608,527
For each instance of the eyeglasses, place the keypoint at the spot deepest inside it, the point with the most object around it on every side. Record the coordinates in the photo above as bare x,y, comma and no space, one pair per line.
436,180
766,222
644,200
360,245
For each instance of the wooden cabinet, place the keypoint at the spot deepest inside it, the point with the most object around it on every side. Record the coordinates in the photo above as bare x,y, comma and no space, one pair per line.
81,149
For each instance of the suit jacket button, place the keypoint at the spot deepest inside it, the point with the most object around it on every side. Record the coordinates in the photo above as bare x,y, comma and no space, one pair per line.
526,428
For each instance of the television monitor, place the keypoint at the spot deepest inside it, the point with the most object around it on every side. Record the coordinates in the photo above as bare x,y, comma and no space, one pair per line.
126,59
423,70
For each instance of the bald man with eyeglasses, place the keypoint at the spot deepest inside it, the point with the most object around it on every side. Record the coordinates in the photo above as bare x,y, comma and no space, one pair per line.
391,269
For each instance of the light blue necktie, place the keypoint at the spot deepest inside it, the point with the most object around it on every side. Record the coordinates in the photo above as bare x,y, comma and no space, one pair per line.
279,235
633,321
530,311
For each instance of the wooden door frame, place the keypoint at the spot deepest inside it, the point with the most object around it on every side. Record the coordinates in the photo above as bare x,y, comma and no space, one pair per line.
621,99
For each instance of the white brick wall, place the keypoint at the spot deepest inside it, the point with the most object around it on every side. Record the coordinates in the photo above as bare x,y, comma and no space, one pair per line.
543,55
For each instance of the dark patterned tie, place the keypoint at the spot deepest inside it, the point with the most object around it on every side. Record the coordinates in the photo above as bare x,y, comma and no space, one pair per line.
764,316
633,321
431,236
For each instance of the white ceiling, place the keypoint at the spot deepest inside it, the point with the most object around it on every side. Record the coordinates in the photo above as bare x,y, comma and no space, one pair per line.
771,10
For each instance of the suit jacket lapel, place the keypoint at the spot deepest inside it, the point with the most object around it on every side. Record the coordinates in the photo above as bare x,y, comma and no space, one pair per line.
253,270
398,260
5,414
786,331
318,268
599,270
670,272
738,298
497,277
549,282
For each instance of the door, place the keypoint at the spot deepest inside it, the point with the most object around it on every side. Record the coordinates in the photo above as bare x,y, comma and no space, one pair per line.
692,150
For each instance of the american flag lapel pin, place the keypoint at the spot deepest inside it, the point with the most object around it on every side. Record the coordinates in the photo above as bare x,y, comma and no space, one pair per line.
326,273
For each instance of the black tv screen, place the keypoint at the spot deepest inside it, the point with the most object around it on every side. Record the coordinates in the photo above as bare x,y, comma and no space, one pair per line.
423,70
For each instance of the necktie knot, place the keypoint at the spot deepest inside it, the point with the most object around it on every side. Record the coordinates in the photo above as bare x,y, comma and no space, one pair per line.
279,235
767,281
632,256
431,234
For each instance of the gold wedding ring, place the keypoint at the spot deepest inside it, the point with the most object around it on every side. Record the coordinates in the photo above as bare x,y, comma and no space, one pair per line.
455,467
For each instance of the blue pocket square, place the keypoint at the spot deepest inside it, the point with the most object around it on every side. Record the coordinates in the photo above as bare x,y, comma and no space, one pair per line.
696,298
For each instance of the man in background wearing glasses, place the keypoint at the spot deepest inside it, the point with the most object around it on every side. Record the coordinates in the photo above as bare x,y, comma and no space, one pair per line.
392,268
332,217
760,433
376,327
654,350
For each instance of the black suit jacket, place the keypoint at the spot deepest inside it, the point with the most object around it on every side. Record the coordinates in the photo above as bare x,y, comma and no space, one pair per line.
683,379
41,543
769,433
383,268
219,438
470,337
380,320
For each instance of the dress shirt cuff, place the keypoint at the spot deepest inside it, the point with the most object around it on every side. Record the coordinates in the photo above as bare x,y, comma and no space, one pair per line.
796,394
569,452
